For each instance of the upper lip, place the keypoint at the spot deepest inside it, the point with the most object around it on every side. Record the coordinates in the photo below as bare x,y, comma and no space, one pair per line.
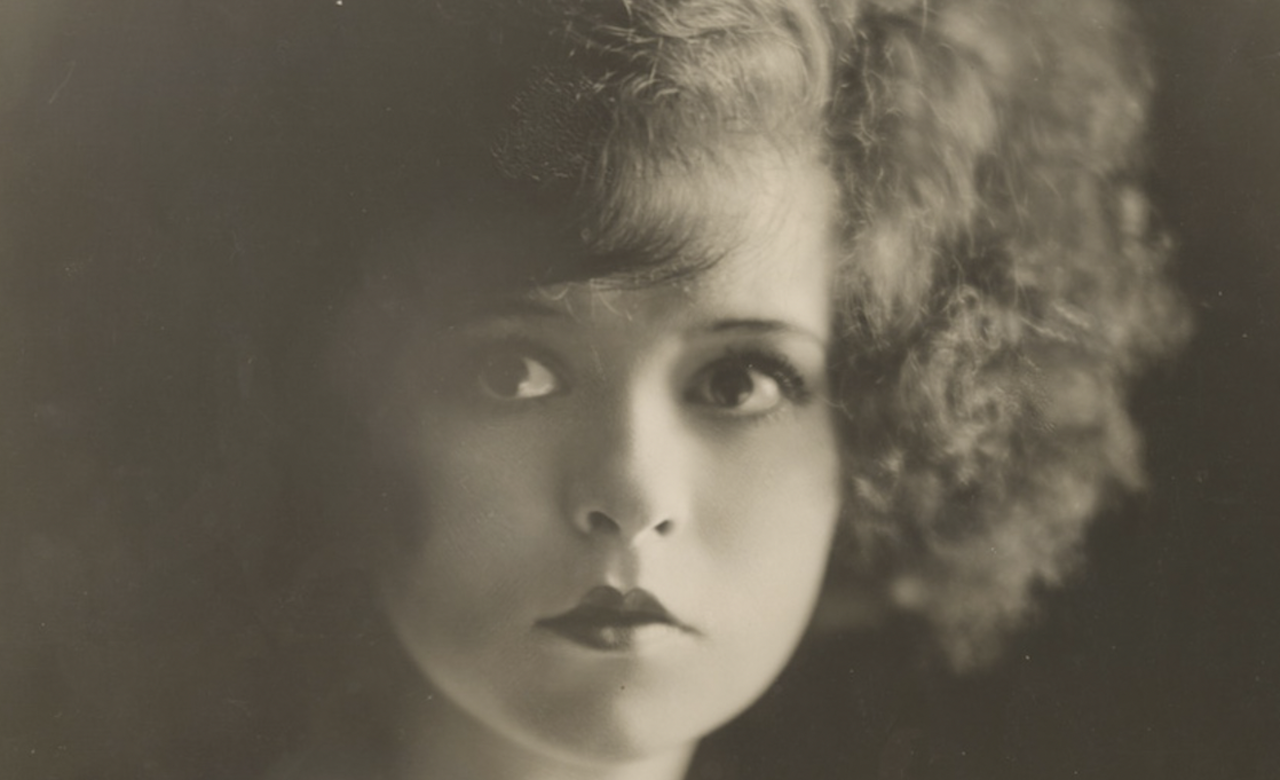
608,605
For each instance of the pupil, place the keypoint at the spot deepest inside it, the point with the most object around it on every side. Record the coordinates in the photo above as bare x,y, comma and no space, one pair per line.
504,375
731,388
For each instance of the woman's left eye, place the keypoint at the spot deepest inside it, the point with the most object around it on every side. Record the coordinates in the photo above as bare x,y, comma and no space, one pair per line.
746,387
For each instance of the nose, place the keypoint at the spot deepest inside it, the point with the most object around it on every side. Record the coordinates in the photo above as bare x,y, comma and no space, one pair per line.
630,476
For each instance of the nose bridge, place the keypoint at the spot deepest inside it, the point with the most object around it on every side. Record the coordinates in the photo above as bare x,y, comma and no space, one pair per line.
630,475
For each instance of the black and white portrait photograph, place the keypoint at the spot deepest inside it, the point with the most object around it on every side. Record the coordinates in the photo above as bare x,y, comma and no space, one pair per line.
639,390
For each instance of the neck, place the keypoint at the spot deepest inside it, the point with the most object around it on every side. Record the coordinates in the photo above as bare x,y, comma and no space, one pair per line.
442,742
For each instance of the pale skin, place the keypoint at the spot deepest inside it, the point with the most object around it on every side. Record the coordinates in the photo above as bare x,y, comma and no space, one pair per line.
676,438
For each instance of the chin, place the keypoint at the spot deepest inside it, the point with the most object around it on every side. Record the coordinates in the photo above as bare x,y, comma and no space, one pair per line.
618,737
627,721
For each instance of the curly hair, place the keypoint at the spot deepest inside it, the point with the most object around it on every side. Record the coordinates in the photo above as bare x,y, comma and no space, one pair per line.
1001,283
1009,281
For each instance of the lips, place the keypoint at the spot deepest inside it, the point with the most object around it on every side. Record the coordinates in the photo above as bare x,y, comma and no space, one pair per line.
607,619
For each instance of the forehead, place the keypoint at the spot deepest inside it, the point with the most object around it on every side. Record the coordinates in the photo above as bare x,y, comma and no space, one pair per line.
719,235
773,259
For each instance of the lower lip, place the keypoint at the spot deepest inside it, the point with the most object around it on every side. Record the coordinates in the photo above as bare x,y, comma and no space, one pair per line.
614,637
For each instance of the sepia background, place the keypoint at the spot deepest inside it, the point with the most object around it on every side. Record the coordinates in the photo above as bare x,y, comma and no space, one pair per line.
124,648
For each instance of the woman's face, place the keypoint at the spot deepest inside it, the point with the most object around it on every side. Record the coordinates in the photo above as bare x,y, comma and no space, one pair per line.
628,494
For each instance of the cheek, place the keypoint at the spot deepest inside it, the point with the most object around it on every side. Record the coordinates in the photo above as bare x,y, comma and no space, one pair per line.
483,490
767,512
481,531
777,496
769,531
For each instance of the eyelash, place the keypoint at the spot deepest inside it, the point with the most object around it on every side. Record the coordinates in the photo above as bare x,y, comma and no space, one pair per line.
777,367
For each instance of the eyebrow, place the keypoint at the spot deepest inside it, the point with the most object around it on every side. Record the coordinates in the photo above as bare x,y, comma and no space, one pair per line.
520,306
764,326
507,307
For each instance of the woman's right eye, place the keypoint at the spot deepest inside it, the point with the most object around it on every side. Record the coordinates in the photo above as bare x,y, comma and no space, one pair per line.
513,376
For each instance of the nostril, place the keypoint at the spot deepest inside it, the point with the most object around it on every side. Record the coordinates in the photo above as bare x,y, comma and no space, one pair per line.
599,521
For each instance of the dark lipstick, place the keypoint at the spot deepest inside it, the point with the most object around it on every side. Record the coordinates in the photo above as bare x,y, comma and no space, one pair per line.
607,619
